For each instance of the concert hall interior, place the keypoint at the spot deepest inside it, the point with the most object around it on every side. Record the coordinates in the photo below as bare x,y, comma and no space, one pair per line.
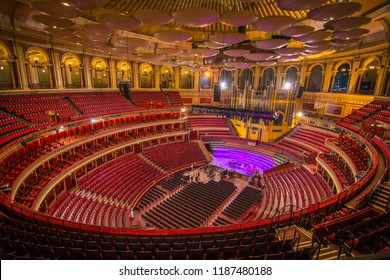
194,130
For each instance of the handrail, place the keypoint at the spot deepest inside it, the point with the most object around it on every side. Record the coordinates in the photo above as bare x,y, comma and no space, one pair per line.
330,204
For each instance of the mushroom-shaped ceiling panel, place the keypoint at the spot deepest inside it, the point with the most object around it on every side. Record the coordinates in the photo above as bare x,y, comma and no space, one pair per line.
196,16
297,5
349,34
169,51
315,36
153,17
334,11
62,33
204,52
213,45
228,38
274,23
347,23
56,9
238,18
297,30
87,4
173,36
236,52
271,44
259,56
53,21
119,22
345,43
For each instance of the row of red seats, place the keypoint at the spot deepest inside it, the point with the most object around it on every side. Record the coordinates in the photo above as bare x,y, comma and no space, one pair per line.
173,155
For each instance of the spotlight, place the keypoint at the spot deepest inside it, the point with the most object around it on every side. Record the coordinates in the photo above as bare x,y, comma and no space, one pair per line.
287,86
300,114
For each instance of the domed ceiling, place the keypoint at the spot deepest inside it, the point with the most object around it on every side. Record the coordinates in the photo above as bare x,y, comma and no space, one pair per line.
202,32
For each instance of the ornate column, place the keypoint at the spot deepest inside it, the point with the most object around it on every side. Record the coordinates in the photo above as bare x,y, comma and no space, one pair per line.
306,82
112,74
326,86
57,69
177,78
280,75
257,78
21,67
87,72
196,80
12,73
302,74
157,77
380,86
135,75
354,75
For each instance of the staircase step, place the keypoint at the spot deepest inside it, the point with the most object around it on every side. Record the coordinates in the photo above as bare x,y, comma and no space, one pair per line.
380,197
379,202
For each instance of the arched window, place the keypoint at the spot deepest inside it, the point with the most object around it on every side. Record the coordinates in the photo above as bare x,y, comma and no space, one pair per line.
342,78
38,69
7,74
186,78
100,73
291,78
123,71
146,76
205,79
225,79
246,79
72,72
315,79
167,77
369,78
267,79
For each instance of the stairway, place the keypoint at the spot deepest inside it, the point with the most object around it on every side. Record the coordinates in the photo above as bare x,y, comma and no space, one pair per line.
13,114
73,106
131,102
327,251
168,100
380,199
152,163
204,150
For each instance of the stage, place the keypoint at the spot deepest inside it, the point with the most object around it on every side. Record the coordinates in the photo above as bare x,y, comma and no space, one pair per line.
244,162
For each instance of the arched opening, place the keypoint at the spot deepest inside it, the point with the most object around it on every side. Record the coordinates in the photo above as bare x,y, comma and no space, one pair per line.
291,79
7,74
246,79
167,77
146,76
186,79
369,78
38,69
225,79
100,73
123,72
205,79
315,79
341,79
72,72
267,79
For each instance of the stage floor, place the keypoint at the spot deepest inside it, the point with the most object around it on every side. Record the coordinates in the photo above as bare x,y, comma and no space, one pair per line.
244,162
